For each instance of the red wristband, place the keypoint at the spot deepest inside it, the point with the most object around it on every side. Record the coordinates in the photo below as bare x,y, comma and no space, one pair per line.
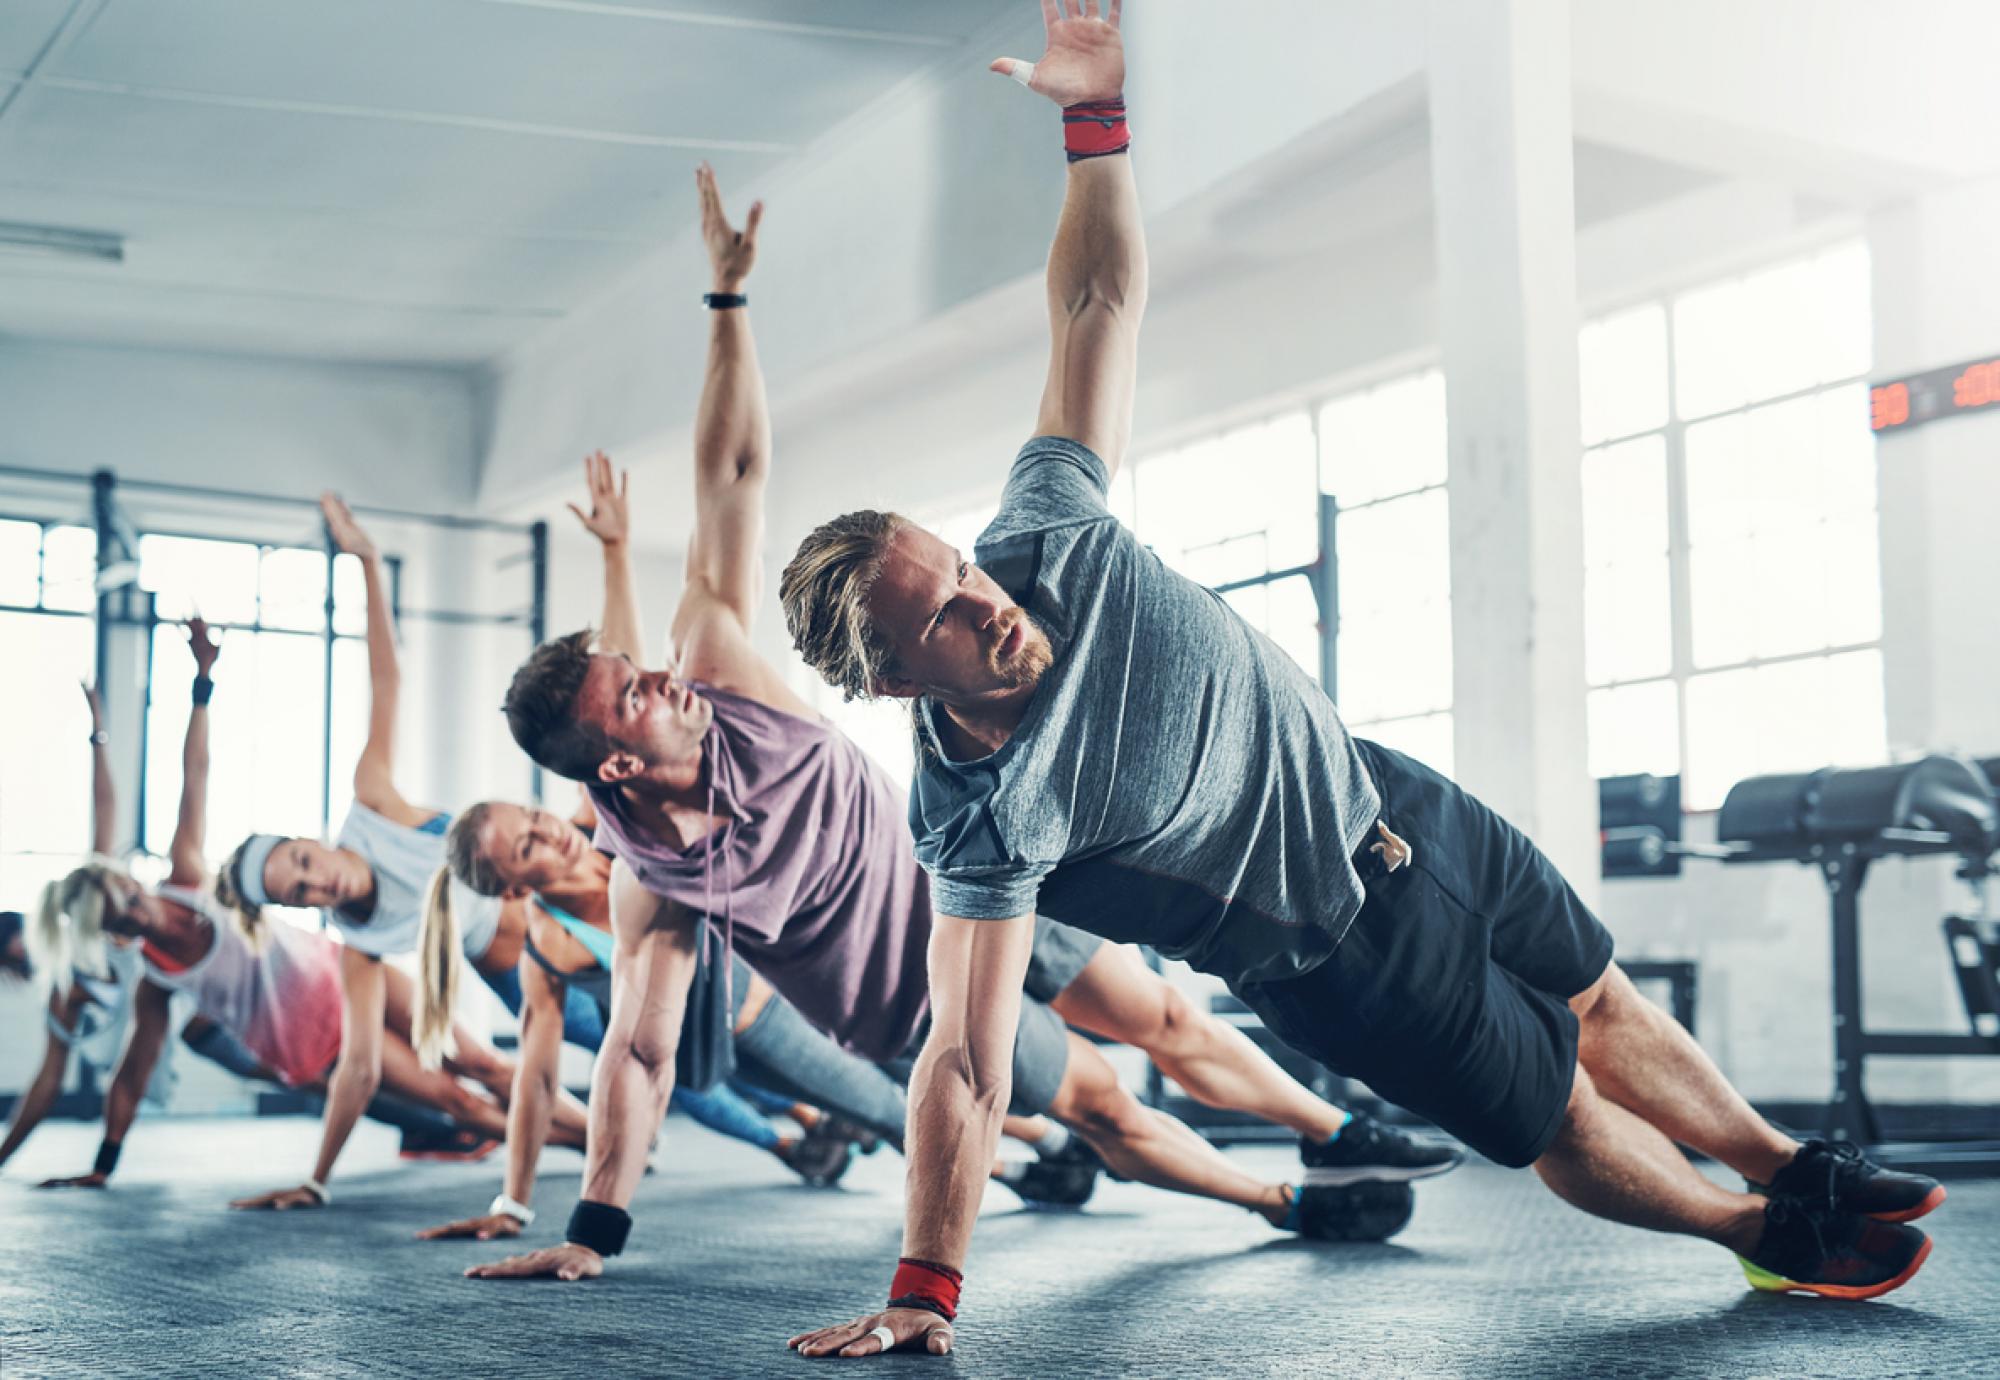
928,1281
1092,129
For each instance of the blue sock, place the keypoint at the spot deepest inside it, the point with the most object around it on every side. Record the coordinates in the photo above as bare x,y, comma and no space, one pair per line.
1346,1119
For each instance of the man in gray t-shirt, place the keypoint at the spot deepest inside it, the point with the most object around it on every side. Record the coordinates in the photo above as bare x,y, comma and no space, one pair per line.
1105,742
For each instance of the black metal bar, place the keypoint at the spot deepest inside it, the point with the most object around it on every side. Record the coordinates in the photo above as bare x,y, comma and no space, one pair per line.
458,617
1924,1043
538,619
1849,1116
1269,577
327,637
102,486
1326,590
53,613
151,621
155,486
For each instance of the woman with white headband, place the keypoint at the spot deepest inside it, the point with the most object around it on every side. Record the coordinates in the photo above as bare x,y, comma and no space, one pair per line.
370,885
277,994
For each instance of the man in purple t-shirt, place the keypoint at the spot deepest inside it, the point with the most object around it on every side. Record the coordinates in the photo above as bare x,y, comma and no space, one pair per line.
727,799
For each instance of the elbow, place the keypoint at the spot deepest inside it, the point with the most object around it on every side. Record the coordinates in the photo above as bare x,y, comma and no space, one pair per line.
359,1078
984,1082
1115,290
654,1059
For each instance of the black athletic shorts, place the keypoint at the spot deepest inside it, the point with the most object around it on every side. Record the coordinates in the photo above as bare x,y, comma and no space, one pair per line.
1449,995
1061,952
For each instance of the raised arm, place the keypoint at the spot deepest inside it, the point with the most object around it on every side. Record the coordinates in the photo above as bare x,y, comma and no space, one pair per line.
1097,265
374,774
653,963
357,1073
732,428
103,794
610,521
190,868
958,1099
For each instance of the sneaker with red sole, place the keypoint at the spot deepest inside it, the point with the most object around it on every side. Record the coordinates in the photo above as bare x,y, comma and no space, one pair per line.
1809,1249
458,1145
1838,1177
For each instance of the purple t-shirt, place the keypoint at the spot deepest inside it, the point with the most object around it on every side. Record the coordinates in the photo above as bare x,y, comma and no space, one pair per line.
812,872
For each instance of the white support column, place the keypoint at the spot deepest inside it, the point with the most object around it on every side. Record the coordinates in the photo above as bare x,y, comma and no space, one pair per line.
1502,172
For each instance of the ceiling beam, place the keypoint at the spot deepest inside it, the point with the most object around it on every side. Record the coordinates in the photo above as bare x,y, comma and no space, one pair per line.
730,21
82,14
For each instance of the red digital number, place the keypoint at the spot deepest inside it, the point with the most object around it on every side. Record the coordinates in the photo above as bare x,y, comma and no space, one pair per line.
1978,386
1888,405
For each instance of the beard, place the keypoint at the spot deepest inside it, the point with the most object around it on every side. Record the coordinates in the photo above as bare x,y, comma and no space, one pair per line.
1029,661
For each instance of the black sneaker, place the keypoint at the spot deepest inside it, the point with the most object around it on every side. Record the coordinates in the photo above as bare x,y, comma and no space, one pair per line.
1052,1183
451,1144
865,1140
1366,1211
1366,1150
1837,1176
821,1157
1809,1249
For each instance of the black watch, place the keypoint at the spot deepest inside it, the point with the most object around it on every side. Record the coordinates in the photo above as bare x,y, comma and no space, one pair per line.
722,301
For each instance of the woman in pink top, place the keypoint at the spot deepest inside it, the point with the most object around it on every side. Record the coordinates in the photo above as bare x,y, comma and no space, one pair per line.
278,991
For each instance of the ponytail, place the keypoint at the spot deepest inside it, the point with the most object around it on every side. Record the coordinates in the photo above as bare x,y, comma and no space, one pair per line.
437,974
68,931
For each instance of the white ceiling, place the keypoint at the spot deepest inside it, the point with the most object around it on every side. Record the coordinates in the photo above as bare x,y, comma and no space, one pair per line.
419,181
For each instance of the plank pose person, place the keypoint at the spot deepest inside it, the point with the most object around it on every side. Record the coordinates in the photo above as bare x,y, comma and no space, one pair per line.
1108,743
736,812
370,885
275,994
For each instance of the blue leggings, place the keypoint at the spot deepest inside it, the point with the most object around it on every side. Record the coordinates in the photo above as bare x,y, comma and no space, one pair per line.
719,1109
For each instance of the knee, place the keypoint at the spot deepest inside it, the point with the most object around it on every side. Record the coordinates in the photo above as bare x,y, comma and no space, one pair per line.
1100,1112
463,1104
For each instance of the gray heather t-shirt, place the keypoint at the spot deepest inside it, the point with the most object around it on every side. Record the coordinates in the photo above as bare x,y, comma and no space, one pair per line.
1177,780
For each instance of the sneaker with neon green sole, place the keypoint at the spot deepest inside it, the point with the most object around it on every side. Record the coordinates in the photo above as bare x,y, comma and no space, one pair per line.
1808,1249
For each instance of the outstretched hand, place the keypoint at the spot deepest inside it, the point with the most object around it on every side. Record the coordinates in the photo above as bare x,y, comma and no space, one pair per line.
203,644
908,1326
610,517
347,533
1085,60
730,251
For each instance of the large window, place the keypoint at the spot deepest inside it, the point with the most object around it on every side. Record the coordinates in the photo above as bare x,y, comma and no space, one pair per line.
1383,458
267,742
1732,582
46,581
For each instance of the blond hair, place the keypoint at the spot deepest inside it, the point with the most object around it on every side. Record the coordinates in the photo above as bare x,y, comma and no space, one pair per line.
68,933
229,891
438,958
825,591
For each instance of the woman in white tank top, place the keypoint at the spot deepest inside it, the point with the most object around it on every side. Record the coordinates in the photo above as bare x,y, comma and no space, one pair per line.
277,991
370,887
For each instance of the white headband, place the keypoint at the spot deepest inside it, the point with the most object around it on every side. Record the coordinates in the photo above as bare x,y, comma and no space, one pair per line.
257,850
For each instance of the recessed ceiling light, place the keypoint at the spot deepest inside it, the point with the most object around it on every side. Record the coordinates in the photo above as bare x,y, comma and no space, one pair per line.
57,241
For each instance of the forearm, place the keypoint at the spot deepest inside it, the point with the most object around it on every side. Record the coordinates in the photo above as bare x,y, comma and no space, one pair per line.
620,631
384,671
189,827
732,432
627,1100
528,1115
121,1102
347,1096
1098,258
103,800
35,1102
954,1132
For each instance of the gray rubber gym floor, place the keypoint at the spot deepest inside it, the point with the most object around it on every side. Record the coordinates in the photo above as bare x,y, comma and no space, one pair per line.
1493,1278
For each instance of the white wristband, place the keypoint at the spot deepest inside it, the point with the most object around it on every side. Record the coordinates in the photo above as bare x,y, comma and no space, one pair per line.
318,1190
503,1206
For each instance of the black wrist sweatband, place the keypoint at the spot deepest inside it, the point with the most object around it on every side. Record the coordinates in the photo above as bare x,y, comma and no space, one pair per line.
919,1301
722,301
203,688
599,1226
107,1157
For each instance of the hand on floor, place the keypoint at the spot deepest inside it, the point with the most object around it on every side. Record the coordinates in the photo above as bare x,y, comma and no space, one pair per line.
278,1200
80,1181
864,1336
479,1228
568,1261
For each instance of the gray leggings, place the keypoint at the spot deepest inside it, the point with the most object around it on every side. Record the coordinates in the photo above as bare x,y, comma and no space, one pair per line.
781,1051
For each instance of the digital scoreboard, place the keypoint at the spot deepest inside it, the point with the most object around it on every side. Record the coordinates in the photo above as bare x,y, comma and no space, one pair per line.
1933,394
